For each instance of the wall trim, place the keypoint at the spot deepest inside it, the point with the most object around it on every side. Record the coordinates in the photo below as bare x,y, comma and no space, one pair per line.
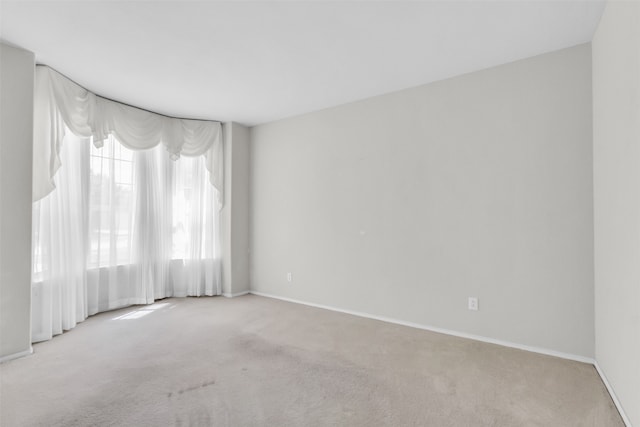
233,295
17,355
616,402
533,349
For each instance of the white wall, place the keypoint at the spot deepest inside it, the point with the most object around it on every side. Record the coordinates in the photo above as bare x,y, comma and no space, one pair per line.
616,152
406,204
235,214
225,214
240,209
17,68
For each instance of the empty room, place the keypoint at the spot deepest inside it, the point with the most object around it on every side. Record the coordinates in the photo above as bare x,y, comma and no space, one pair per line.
320,213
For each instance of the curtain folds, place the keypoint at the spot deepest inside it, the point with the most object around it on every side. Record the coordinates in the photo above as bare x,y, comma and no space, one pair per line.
59,102
127,223
122,227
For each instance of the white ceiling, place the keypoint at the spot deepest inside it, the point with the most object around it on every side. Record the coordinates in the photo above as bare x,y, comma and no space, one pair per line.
254,62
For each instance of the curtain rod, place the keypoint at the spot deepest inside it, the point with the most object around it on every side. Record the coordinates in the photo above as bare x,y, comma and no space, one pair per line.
124,103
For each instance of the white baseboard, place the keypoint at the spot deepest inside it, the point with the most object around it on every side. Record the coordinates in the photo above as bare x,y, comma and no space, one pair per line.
237,294
438,330
626,419
16,355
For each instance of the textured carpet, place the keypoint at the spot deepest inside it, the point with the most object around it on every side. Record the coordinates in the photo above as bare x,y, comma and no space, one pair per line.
254,361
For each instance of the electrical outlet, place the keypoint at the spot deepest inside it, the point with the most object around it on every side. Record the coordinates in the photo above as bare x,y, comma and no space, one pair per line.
473,303
289,277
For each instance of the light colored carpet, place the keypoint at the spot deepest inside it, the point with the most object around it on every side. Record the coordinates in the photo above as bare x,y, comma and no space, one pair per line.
254,361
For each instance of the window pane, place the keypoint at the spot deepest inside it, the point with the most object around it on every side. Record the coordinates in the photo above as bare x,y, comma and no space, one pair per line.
111,205
123,172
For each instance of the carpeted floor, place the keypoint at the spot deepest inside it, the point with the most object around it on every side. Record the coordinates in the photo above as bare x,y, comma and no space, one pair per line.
254,361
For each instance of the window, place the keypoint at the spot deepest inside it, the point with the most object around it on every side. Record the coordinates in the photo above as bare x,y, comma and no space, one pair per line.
122,227
111,204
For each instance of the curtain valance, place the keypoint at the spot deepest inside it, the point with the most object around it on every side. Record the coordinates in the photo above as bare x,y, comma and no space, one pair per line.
59,102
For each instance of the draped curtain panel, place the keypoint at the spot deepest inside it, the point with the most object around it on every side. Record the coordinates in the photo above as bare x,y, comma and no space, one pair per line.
60,103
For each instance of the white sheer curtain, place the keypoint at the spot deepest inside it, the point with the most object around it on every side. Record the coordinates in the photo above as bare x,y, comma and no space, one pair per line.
122,227
59,290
